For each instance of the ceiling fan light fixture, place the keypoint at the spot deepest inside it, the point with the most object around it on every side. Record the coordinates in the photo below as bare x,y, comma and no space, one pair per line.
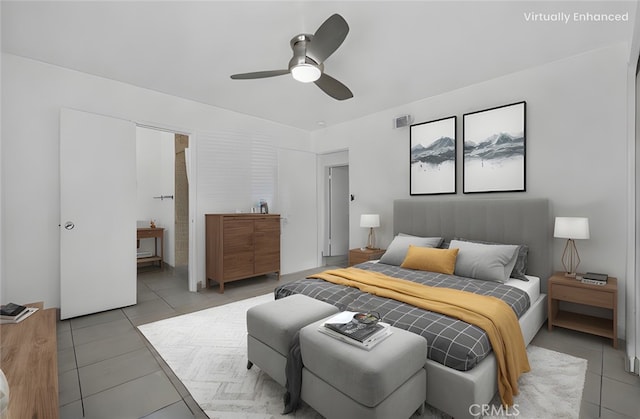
306,73
309,55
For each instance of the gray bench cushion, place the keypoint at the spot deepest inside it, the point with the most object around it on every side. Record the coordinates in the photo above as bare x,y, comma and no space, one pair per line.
274,323
368,377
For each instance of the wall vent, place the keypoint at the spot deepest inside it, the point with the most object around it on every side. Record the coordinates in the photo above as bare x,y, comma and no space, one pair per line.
402,121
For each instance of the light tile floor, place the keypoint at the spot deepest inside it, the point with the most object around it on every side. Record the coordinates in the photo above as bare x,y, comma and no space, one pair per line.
108,370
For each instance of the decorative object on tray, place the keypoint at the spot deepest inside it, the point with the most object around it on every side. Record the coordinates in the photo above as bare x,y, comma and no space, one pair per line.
494,149
571,228
370,221
11,310
363,330
433,157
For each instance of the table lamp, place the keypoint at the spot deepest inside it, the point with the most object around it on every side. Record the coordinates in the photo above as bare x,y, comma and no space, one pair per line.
571,228
370,221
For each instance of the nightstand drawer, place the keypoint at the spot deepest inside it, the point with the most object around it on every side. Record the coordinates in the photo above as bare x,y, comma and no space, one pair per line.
150,233
590,297
363,255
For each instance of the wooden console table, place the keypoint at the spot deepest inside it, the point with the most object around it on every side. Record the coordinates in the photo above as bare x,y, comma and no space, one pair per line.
152,233
30,362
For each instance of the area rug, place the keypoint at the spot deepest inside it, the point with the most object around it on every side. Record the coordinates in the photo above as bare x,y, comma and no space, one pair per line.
207,351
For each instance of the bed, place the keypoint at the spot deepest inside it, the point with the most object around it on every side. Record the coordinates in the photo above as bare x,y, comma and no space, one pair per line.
466,374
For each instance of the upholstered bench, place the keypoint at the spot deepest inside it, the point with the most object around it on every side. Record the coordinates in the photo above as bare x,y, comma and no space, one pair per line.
340,380
270,327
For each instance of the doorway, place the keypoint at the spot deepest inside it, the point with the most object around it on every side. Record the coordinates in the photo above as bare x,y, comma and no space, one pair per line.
334,194
163,195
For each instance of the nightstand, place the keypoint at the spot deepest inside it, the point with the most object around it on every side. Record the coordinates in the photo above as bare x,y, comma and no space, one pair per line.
562,288
363,255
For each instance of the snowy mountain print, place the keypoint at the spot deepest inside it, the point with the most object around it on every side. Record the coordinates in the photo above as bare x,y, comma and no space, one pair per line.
439,151
432,157
497,146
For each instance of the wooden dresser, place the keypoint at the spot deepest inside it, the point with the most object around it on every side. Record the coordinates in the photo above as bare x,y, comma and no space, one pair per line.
241,246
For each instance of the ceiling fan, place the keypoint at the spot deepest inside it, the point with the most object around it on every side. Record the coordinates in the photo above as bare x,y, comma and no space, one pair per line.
309,54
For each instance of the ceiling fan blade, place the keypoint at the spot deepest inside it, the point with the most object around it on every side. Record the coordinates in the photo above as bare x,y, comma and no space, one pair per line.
327,38
259,74
333,87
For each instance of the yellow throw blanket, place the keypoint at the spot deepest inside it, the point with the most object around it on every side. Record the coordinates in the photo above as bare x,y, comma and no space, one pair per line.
491,314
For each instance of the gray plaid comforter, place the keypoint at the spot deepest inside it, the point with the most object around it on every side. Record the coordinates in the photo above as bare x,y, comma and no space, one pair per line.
452,342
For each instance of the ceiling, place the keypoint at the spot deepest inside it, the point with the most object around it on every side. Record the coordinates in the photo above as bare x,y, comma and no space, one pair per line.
395,53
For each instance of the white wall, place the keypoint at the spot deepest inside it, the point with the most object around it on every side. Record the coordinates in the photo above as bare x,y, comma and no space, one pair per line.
35,92
576,151
155,167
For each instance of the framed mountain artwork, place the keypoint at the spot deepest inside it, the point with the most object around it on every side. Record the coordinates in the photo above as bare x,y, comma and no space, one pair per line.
432,157
494,149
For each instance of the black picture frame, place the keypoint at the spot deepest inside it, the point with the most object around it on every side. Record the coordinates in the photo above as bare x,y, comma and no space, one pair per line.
432,157
494,149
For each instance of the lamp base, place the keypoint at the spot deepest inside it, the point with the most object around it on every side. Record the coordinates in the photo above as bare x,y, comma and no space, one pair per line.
570,259
371,241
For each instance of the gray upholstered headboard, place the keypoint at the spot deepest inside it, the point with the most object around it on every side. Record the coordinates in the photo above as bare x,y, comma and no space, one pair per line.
508,221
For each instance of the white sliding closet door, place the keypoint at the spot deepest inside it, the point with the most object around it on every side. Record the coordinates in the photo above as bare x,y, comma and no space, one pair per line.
98,213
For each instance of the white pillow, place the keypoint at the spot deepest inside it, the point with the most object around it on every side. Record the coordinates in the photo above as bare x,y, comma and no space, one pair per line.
397,250
491,262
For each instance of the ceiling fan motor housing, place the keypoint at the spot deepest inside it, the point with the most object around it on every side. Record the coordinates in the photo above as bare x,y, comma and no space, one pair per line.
300,61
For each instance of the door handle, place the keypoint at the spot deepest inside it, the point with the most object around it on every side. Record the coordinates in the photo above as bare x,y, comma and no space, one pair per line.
69,225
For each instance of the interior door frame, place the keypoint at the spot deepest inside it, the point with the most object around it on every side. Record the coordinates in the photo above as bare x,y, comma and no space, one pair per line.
192,177
325,160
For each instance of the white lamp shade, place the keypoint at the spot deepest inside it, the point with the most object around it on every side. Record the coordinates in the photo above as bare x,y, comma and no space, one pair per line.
571,228
370,220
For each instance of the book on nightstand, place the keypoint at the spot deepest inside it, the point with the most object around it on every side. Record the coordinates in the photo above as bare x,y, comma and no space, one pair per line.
594,278
366,337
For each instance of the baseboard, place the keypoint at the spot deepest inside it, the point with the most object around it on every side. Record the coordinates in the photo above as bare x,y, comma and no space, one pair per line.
633,366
